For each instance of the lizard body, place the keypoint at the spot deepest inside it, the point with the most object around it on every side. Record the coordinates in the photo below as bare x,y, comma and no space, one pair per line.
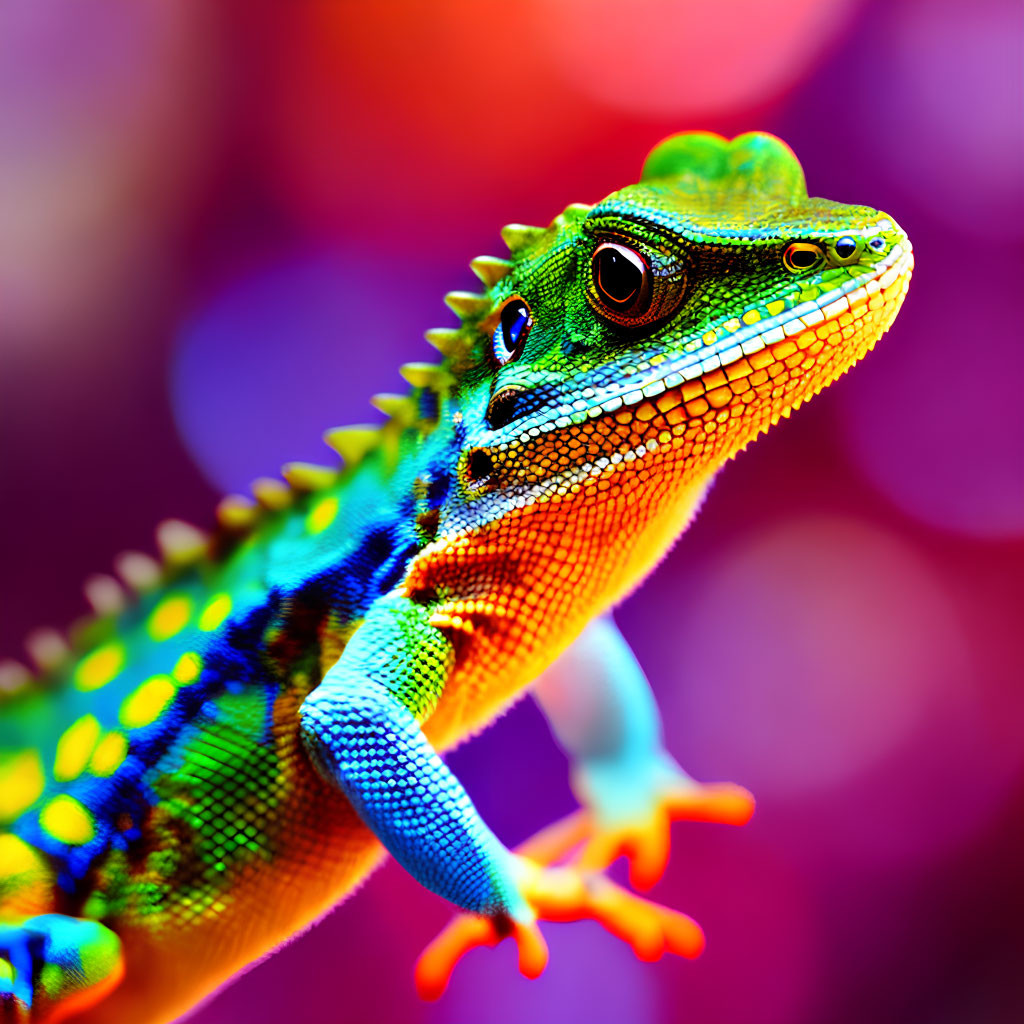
228,754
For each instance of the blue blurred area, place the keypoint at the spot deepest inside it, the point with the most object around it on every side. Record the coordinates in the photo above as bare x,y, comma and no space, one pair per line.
290,350
224,227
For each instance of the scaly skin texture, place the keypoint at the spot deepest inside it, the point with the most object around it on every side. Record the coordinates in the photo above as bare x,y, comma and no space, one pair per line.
219,760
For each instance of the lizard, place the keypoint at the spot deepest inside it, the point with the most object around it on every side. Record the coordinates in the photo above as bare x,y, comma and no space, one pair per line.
231,744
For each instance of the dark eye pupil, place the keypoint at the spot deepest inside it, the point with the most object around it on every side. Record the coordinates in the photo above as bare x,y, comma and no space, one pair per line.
845,247
514,318
618,277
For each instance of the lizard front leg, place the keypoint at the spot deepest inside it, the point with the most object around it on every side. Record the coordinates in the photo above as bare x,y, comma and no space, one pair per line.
361,728
601,709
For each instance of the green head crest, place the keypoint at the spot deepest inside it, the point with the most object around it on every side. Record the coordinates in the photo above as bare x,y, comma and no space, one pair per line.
755,163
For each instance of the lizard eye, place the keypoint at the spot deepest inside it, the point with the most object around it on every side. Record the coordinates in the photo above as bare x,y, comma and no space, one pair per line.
513,326
845,248
622,281
628,291
801,256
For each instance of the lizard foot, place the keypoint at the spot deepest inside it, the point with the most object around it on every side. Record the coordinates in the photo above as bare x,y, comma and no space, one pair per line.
579,891
645,841
560,894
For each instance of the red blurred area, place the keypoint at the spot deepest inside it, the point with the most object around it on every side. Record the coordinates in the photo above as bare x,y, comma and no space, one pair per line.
223,223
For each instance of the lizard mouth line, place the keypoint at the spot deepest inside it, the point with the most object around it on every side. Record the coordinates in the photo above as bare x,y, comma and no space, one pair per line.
735,352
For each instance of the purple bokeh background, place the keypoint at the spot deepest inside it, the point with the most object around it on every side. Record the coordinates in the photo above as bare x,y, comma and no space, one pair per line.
224,225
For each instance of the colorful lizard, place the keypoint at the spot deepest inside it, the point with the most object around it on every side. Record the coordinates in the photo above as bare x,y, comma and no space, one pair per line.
227,754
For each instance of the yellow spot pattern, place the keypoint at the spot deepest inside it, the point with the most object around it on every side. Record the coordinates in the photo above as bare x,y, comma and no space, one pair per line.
109,754
145,705
67,820
17,855
218,609
169,617
100,667
21,782
74,747
187,668
27,880
322,514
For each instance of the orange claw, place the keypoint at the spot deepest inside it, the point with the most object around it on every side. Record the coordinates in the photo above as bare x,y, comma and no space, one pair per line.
722,802
465,932
562,894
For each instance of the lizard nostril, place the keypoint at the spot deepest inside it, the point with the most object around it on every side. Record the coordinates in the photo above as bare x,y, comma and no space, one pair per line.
502,408
479,465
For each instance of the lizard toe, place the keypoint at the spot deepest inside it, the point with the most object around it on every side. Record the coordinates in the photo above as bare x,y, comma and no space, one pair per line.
561,894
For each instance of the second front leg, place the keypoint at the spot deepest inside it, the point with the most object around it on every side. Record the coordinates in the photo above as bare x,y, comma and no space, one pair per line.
601,709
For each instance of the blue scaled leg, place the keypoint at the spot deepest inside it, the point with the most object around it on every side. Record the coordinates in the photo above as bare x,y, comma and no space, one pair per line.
600,707
52,966
361,727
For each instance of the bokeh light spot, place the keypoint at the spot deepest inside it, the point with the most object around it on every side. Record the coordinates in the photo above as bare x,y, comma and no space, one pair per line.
977,184
940,434
103,138
651,57
847,639
847,687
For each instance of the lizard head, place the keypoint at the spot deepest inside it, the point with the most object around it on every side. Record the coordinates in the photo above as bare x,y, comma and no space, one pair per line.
662,329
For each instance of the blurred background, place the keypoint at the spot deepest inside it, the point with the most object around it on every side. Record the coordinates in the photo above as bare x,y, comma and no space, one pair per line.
224,225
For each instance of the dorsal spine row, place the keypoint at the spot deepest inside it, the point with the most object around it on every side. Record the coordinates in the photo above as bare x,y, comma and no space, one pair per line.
181,545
